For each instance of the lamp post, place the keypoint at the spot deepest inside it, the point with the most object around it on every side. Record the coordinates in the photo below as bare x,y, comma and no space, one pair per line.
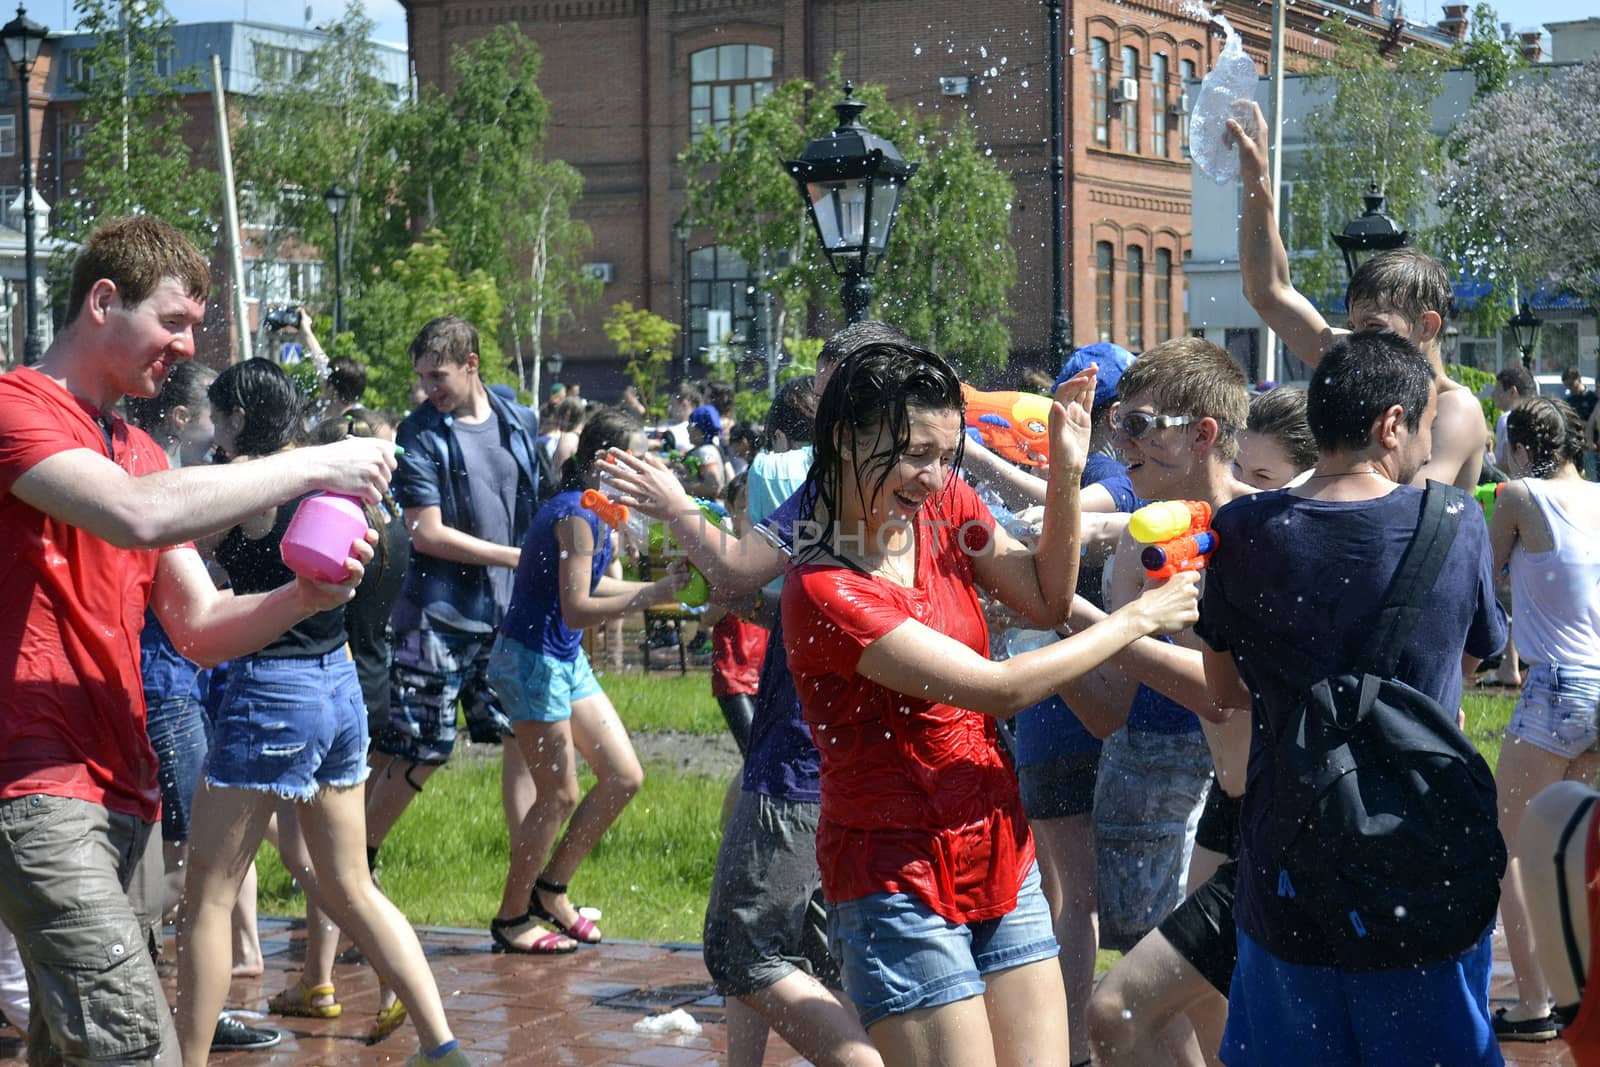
22,37
1060,329
682,231
851,181
335,198
1371,232
1525,327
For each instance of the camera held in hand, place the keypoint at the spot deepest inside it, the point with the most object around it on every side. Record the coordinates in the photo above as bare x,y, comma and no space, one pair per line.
281,317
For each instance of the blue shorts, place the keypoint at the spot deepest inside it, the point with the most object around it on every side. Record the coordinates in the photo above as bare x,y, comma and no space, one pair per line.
898,955
533,687
290,726
1557,710
177,728
1410,1017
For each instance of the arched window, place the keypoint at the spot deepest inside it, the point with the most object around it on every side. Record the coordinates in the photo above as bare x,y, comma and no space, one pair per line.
1163,295
1102,291
1158,105
1133,296
1099,76
722,303
725,82
1130,107
1186,70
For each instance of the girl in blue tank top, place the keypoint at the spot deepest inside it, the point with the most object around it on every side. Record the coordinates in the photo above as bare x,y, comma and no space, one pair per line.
542,677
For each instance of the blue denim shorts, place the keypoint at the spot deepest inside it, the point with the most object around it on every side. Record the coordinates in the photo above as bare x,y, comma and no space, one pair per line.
533,687
177,728
898,955
1147,805
1557,710
289,726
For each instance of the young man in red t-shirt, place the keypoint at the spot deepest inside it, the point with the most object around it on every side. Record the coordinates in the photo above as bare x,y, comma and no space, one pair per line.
93,528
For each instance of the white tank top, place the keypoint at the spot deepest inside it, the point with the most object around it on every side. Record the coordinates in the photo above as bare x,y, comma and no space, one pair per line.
1555,595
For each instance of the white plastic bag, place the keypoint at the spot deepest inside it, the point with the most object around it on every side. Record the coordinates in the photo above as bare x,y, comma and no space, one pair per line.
676,1021
1224,93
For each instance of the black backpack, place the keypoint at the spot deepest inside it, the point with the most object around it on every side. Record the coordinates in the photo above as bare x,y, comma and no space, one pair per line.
1383,826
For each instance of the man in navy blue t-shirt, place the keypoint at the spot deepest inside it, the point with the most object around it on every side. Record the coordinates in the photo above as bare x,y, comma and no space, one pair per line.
1311,565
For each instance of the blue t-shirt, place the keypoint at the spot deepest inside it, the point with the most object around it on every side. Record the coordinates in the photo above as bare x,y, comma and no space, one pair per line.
782,761
534,618
1313,573
1103,470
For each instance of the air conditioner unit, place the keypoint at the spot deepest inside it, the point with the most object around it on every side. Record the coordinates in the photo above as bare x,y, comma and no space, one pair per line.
606,272
1126,92
1180,106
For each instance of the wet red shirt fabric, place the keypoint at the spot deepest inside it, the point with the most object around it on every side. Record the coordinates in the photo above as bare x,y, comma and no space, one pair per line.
918,797
72,714
738,649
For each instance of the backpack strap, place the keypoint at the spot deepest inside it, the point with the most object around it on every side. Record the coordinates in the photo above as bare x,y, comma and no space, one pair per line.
1412,586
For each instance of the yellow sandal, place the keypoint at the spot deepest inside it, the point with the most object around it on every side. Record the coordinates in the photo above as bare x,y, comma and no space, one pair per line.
298,1001
388,1021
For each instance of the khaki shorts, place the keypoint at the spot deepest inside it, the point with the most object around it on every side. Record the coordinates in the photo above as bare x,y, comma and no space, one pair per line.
80,888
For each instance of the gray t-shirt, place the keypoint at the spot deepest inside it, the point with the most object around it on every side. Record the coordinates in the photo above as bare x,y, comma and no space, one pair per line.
492,484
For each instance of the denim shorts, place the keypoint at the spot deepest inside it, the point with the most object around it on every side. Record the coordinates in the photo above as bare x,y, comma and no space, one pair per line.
178,731
1061,787
290,725
533,687
1147,805
898,955
1557,710
432,670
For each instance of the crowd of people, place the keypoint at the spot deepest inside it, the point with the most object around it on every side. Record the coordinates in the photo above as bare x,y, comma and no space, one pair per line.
984,733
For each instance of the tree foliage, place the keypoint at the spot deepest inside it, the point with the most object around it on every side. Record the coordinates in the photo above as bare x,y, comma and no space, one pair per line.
1492,59
646,340
950,262
1373,125
135,160
1521,194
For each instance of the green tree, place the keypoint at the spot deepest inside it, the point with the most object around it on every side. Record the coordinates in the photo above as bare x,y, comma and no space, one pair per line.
134,156
1492,59
554,243
332,120
646,340
950,261
1373,125
400,299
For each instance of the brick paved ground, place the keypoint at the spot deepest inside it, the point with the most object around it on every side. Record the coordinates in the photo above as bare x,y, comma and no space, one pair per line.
578,1009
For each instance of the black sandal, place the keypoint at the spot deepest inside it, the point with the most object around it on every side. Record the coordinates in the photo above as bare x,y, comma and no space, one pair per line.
583,931
547,944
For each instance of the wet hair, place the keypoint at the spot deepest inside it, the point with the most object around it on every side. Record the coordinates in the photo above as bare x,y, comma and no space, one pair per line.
359,422
1550,430
690,394
185,387
745,432
449,338
1192,376
720,396
736,488
1517,377
794,411
347,380
567,414
1281,415
1362,376
606,428
274,409
857,336
875,388
1406,280
135,253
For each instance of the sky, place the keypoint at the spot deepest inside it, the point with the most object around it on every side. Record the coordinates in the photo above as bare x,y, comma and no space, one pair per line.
391,19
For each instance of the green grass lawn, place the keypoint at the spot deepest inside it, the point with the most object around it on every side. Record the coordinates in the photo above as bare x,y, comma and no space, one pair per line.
445,862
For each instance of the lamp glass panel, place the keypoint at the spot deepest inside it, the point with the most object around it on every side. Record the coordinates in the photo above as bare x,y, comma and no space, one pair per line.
841,212
17,49
885,199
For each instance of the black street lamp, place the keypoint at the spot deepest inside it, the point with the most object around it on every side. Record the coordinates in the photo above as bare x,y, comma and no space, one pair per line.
22,37
1060,329
1371,233
552,366
336,198
851,181
1525,327
681,231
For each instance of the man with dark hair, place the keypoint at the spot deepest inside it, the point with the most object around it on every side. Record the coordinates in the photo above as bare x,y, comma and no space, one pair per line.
1406,291
1308,568
469,482
94,528
1512,385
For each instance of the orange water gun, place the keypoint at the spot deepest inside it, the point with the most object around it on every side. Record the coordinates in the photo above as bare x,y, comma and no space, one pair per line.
1010,424
1179,536
610,512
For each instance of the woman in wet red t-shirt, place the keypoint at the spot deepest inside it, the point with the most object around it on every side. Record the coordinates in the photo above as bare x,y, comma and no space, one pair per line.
934,903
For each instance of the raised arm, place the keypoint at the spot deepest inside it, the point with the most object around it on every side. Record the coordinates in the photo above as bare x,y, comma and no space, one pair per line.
1263,261
84,488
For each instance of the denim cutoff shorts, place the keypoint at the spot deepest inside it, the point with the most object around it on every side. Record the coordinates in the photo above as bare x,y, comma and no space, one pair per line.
176,726
898,955
533,687
290,725
1557,710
